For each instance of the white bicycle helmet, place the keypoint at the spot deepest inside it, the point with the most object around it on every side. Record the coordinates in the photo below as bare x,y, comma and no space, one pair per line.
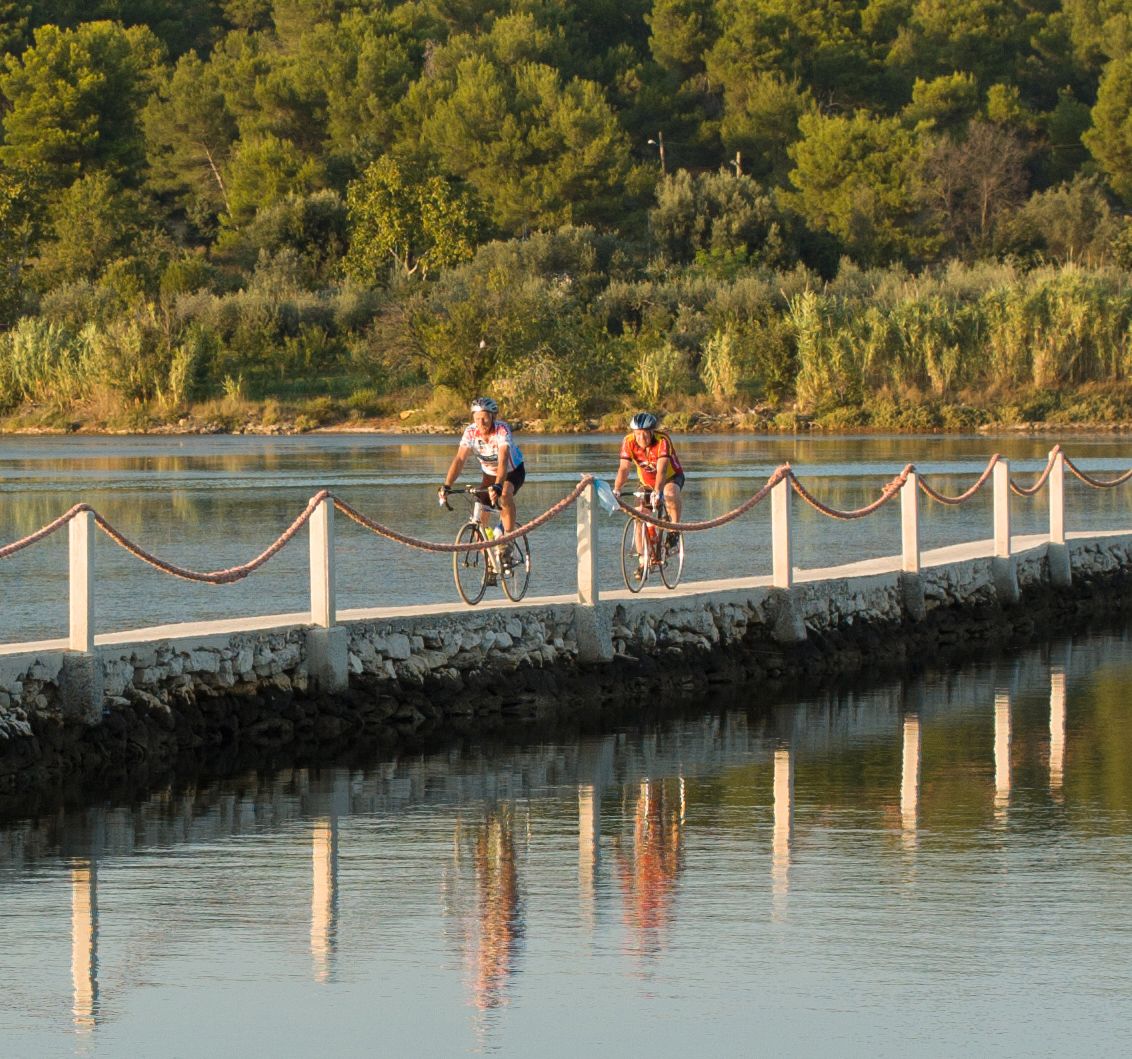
643,421
485,404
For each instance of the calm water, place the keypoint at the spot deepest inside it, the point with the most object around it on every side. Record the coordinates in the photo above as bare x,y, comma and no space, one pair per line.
930,869
210,503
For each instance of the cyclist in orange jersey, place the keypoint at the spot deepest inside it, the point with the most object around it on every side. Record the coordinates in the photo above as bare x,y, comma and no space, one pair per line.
658,467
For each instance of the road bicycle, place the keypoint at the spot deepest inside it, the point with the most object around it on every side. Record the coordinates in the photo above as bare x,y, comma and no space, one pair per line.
508,565
665,551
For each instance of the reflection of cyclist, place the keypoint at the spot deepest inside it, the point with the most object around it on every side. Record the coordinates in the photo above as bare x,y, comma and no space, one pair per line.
500,460
654,456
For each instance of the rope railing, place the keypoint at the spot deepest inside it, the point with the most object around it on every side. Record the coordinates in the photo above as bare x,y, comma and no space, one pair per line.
780,483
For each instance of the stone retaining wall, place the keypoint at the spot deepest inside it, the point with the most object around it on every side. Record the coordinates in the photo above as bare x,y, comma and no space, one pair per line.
430,669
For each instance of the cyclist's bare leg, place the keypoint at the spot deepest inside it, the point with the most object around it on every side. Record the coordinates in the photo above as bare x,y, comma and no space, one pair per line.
639,532
507,512
674,501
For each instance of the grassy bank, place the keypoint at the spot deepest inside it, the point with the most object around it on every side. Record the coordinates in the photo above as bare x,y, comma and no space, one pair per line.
569,334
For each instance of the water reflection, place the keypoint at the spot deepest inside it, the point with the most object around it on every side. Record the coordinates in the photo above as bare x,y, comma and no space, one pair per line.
84,945
492,888
910,781
490,917
1002,738
648,865
1056,730
783,828
324,898
589,849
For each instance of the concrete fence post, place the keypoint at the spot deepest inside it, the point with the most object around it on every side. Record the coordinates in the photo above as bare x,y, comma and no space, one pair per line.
322,564
789,626
587,546
1060,573
911,580
1005,576
81,533
81,678
592,627
780,534
327,643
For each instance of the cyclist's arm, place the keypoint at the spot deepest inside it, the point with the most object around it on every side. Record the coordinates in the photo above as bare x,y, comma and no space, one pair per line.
504,465
457,467
661,474
622,473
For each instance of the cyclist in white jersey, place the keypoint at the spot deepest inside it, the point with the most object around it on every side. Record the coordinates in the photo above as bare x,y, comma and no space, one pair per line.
500,460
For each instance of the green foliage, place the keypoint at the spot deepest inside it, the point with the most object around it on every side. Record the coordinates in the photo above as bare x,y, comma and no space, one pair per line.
263,171
76,97
92,223
718,213
406,223
1110,139
859,178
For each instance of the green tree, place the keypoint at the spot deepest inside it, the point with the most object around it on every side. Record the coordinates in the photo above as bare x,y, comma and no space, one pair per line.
76,98
682,33
761,122
93,223
263,170
859,178
13,26
539,153
717,213
405,223
948,103
189,132
20,210
1110,139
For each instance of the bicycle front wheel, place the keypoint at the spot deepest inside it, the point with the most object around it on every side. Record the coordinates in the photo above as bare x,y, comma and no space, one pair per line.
516,569
673,565
470,568
632,569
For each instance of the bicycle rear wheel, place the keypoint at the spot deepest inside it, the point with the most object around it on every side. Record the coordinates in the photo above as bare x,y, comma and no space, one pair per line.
673,565
634,572
470,568
517,572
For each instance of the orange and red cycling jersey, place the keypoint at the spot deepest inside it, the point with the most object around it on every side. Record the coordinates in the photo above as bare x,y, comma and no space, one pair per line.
646,459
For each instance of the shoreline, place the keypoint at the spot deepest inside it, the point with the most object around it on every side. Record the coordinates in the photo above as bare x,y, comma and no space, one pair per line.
392,429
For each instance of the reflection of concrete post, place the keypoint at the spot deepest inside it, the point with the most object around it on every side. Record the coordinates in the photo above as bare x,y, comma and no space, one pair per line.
84,946
783,824
1056,730
589,847
324,898
910,780
1002,750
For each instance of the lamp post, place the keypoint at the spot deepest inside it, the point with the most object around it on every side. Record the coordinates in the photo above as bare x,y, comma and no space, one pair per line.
658,143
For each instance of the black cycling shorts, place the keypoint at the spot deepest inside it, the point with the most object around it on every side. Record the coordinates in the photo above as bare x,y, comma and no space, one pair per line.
516,476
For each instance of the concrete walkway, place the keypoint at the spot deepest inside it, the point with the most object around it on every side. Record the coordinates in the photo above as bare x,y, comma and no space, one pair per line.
199,632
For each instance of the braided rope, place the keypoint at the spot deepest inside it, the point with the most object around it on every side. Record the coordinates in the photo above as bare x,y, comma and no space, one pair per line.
46,531
962,497
431,546
887,494
216,577
1019,491
711,523
1096,483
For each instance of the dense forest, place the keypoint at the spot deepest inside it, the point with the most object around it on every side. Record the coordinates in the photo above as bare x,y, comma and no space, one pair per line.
896,213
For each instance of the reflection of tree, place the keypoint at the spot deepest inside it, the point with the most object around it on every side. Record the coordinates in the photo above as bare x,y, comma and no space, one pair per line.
491,924
648,873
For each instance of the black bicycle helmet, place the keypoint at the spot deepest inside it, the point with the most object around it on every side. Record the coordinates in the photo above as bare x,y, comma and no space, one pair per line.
485,404
643,421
